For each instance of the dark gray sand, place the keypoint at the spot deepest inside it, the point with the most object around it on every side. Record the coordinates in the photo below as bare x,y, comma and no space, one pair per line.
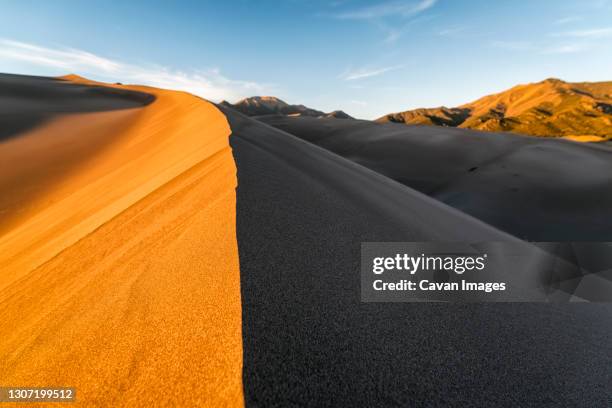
28,101
302,213
536,189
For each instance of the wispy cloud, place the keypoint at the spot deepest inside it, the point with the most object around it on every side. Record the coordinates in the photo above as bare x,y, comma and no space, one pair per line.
393,17
66,58
451,31
361,73
587,33
565,49
398,8
513,45
567,20
545,47
395,32
358,103
338,3
541,48
393,35
210,84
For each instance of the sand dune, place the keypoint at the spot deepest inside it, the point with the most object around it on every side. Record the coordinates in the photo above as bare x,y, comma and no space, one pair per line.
118,251
309,340
536,189
120,231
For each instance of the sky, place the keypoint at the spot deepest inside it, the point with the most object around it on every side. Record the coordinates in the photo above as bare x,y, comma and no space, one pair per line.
367,58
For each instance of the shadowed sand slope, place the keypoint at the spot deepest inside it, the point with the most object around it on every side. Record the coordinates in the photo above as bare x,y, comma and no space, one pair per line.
118,257
302,213
538,189
27,101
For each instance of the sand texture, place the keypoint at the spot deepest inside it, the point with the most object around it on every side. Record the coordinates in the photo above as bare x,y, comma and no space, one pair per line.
536,189
309,340
118,252
156,250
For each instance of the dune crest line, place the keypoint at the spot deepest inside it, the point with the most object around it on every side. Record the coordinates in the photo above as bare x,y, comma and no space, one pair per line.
122,279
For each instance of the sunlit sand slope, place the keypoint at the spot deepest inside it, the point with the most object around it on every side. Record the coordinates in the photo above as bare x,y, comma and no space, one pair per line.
119,274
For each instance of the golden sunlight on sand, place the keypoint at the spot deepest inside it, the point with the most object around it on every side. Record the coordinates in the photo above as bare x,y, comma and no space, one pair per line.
118,256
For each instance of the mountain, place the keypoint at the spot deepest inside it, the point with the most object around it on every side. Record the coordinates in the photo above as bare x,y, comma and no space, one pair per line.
338,114
271,105
551,108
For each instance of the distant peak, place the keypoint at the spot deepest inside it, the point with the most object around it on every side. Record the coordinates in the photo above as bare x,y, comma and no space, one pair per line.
338,114
269,99
268,105
81,80
72,77
553,81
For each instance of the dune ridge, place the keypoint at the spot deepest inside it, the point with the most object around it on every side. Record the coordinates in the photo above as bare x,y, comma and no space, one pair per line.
308,340
148,150
538,189
122,278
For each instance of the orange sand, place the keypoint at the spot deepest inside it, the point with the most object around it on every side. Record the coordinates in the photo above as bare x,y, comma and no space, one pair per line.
585,138
118,257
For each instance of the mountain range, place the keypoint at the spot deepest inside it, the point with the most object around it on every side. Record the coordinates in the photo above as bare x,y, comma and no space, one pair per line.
271,105
580,111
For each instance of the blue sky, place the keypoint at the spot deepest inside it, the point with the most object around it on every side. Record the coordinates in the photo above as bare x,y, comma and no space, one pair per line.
365,57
